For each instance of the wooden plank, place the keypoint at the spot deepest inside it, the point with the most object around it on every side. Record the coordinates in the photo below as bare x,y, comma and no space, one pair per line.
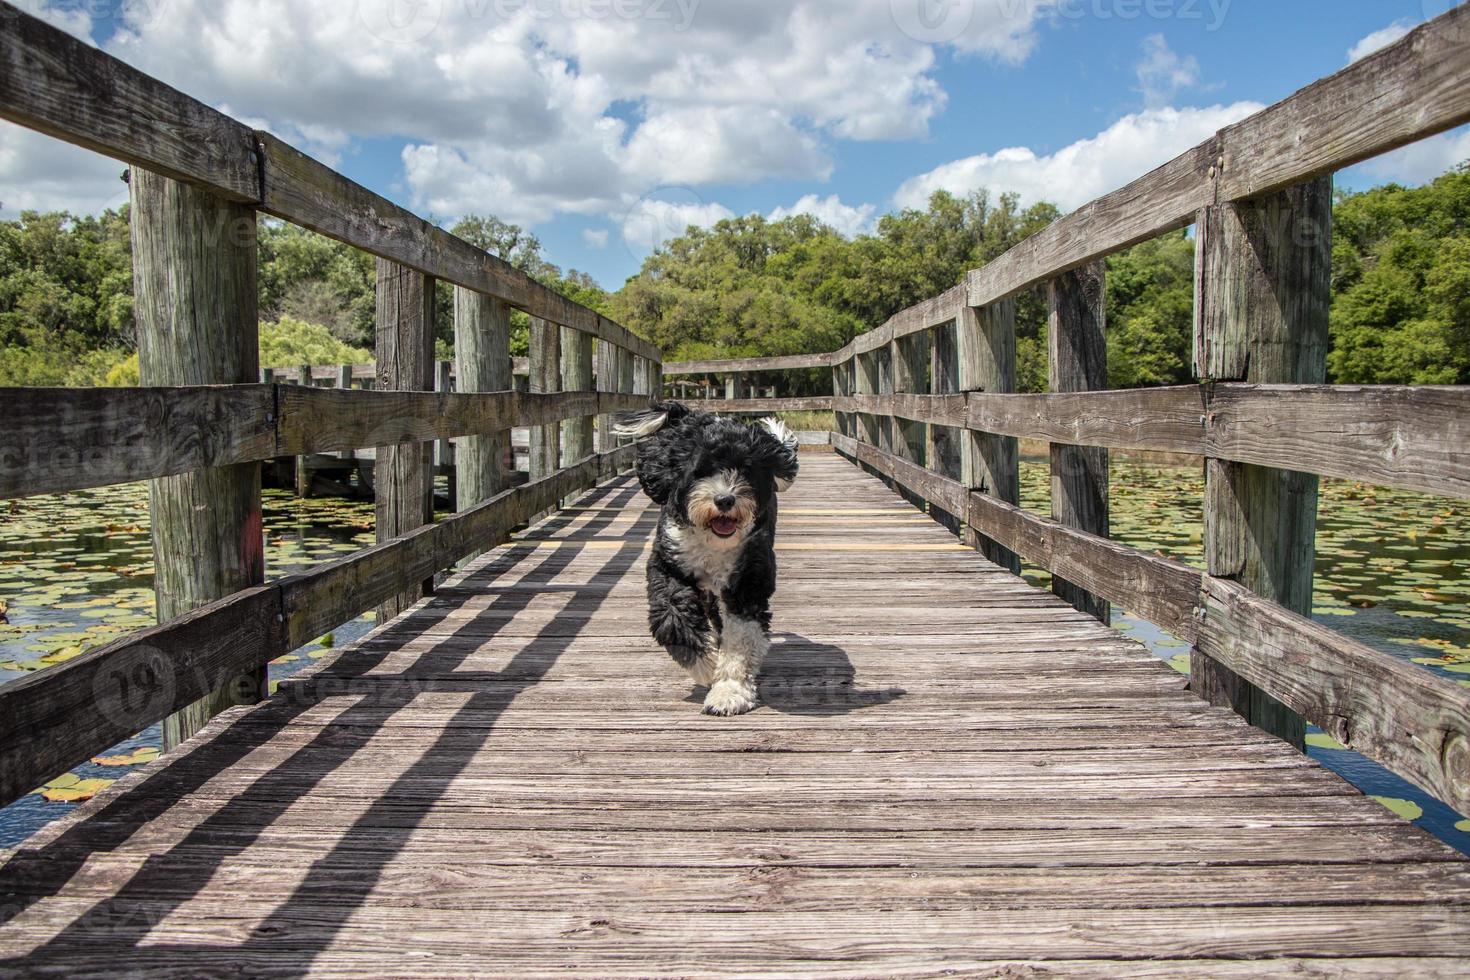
403,473
746,365
1414,437
1413,722
60,439
933,487
758,406
308,193
1078,361
194,289
67,88
56,718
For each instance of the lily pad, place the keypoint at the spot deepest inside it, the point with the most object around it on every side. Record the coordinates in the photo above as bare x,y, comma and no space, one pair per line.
73,789
1407,809
1321,740
138,756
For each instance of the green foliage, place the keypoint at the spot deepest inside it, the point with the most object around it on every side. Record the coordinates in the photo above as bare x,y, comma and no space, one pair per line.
1150,309
291,343
1401,280
66,296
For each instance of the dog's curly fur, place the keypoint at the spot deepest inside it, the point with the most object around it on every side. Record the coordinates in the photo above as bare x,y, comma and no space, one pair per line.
713,567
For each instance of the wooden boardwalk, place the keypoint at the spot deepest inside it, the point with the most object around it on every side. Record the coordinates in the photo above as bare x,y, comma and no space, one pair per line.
953,772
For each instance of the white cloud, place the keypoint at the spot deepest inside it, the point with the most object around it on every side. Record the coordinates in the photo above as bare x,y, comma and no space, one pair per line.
1379,40
1087,169
38,173
595,237
1163,74
505,107
1421,162
651,222
849,221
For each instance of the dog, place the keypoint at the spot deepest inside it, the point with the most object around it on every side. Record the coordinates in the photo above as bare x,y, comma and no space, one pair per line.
713,567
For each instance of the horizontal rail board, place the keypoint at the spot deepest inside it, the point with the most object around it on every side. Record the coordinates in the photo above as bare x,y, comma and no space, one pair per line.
1413,722
752,406
1416,437
64,87
56,718
787,362
369,372
60,439
59,717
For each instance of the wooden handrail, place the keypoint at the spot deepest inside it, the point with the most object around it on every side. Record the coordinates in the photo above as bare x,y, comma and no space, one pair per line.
788,362
60,439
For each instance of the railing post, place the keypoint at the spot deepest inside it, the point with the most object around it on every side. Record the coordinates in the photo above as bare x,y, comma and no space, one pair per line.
344,383
194,266
576,375
607,381
944,449
884,356
444,448
403,473
545,379
1264,288
303,467
865,367
734,386
483,463
1079,362
625,373
842,388
909,358
985,339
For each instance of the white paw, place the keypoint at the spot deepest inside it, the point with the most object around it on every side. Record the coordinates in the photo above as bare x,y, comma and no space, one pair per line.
702,671
730,698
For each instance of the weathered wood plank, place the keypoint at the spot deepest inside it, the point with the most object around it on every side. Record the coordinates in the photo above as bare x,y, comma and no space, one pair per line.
745,365
61,86
1400,714
751,406
60,439
545,446
483,462
56,718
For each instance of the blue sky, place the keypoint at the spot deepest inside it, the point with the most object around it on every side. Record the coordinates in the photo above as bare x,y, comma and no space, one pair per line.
608,125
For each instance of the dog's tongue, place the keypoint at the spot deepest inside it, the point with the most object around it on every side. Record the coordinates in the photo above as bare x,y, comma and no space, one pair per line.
723,526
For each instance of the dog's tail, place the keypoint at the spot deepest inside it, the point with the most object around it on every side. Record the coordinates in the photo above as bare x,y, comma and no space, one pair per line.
638,425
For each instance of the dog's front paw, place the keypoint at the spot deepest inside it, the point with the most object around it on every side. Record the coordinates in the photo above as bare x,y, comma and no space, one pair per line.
730,698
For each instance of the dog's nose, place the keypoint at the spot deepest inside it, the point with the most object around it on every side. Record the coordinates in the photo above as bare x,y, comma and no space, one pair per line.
726,502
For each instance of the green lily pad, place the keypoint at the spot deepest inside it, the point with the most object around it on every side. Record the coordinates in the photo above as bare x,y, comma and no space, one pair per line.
1321,740
1407,809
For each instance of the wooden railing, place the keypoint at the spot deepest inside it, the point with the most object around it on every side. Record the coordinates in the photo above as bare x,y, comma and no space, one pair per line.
926,400
204,417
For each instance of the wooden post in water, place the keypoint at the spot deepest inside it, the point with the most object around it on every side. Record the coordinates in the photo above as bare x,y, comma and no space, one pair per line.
403,473
194,269
344,383
303,468
986,342
909,357
482,463
1079,362
607,381
545,379
1264,289
943,450
576,375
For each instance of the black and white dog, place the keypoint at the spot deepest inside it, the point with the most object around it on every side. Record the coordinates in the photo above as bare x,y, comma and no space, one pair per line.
713,567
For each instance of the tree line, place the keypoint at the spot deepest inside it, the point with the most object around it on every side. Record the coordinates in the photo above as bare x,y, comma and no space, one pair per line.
751,287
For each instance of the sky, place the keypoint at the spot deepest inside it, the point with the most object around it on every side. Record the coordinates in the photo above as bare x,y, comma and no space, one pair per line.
609,126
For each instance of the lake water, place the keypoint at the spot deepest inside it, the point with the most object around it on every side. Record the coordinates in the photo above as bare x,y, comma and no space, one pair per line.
1393,571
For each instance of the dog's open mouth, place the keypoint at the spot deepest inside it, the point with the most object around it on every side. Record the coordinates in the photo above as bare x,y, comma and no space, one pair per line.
724,527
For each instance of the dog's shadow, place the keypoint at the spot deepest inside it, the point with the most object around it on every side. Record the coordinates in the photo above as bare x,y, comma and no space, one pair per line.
804,677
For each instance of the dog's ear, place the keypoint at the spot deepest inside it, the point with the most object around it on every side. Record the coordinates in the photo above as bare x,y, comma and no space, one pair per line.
778,452
640,425
662,463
